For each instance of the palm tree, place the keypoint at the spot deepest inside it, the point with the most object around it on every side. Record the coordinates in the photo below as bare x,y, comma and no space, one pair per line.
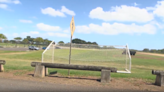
2,37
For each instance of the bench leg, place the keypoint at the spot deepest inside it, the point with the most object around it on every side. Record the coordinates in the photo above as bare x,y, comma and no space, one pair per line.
39,70
105,75
1,68
46,71
159,80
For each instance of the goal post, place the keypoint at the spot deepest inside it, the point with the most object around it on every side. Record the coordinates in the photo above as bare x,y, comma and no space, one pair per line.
48,53
127,66
117,56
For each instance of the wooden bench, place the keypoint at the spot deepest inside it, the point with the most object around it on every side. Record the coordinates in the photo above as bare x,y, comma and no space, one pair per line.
41,69
2,62
159,77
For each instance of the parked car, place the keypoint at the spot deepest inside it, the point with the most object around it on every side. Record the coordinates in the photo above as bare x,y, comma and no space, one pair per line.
33,48
57,48
44,48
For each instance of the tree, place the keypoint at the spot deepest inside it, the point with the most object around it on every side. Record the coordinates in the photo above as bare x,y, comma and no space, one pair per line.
153,50
45,41
17,39
31,40
6,41
12,41
79,41
61,42
38,40
25,40
95,43
2,37
146,50
89,42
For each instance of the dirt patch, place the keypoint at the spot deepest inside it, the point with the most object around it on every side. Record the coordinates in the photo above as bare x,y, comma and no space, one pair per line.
14,49
154,54
117,83
14,53
147,57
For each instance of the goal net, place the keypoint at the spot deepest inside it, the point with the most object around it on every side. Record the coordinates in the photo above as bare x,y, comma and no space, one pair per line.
89,54
48,53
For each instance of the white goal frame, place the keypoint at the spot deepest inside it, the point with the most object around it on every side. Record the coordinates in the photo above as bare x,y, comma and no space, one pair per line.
47,49
127,55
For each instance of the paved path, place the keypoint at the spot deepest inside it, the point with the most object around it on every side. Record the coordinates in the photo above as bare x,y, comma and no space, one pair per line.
14,49
13,85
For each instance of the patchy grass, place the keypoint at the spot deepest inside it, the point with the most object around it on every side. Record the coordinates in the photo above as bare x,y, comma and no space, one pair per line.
141,65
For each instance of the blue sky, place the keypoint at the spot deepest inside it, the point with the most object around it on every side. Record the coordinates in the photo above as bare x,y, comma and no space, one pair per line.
138,23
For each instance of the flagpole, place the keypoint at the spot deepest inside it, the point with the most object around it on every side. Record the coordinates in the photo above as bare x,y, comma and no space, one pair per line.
70,55
72,27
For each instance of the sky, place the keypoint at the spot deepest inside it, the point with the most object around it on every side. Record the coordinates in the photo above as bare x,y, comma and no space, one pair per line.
137,23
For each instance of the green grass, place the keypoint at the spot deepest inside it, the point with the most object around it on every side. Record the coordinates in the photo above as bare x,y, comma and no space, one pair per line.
141,64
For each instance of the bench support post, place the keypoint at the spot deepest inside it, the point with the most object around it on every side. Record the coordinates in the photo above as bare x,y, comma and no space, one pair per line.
46,71
39,70
1,68
105,75
159,80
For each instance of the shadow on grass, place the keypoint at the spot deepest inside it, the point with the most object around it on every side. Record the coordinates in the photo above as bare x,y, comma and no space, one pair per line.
31,75
51,74
74,78
153,84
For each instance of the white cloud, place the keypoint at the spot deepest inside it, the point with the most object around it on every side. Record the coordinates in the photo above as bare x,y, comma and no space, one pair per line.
135,4
159,25
10,1
31,33
46,27
0,28
116,28
159,8
35,34
16,2
66,31
122,13
58,34
3,6
52,12
25,21
67,11
61,13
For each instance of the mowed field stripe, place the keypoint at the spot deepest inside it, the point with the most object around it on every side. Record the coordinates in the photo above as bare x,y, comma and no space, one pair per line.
154,54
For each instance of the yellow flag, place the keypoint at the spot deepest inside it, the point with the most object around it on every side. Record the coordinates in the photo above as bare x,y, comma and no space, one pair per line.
72,26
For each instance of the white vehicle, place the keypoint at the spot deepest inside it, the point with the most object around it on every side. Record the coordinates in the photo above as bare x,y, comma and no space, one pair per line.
33,48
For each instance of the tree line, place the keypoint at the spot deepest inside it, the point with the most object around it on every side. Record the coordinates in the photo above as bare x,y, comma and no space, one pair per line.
80,41
153,50
27,40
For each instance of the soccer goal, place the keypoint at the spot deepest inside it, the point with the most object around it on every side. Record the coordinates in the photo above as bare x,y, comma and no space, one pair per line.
89,54
48,53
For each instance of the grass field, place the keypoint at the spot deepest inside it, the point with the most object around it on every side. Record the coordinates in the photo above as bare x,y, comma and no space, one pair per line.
141,64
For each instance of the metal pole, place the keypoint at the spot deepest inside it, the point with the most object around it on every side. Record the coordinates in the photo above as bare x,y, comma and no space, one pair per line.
70,55
53,52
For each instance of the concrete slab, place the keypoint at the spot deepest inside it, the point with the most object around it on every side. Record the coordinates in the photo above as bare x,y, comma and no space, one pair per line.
105,75
1,68
39,70
159,79
46,71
